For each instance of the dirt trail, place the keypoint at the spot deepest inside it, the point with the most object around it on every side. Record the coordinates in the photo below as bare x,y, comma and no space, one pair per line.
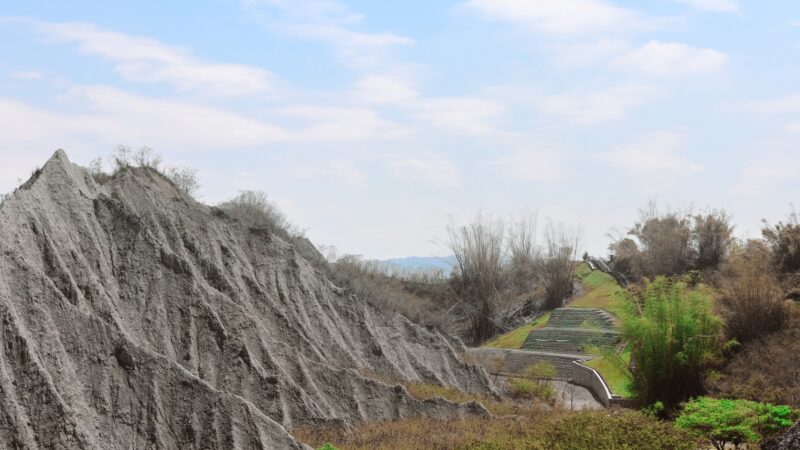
135,317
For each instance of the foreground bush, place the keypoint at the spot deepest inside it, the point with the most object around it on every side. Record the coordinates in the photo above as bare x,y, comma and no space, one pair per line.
601,430
674,337
736,422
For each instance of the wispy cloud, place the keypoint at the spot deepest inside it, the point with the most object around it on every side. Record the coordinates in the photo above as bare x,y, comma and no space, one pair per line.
653,160
384,90
727,6
766,175
326,21
145,119
671,59
28,75
533,165
563,17
462,115
343,171
787,104
148,60
594,106
338,123
428,168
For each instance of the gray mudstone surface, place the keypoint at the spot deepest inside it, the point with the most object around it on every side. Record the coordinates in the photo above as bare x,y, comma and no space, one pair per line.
134,317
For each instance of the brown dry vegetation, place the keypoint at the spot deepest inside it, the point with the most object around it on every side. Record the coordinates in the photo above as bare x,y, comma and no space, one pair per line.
764,370
514,425
560,430
752,301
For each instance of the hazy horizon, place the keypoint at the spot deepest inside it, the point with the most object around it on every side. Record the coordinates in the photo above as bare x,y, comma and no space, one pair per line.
373,124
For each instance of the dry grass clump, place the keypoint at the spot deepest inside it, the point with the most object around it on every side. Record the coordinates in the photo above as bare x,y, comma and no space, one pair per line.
546,431
498,407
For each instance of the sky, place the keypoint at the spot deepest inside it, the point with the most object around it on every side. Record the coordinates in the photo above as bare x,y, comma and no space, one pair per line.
374,124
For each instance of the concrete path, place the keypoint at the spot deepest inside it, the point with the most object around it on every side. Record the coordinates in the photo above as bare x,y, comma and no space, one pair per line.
574,397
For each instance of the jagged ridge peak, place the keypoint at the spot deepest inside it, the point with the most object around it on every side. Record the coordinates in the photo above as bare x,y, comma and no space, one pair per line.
132,312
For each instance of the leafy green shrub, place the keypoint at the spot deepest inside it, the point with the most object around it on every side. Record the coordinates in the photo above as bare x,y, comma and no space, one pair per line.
328,447
521,388
540,369
674,337
723,421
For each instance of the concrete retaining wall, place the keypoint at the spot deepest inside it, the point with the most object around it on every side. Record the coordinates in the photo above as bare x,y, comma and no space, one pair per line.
568,367
591,379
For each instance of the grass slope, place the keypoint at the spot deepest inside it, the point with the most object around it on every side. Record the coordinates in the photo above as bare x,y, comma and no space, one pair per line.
618,380
600,291
516,337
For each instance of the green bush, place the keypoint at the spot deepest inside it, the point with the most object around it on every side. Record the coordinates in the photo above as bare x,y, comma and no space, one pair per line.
328,447
541,369
522,388
737,422
674,336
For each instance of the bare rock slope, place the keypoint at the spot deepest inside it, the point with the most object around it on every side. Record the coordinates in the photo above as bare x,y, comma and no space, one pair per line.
134,317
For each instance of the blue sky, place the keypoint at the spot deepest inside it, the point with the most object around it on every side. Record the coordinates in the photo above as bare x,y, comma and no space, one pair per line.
374,123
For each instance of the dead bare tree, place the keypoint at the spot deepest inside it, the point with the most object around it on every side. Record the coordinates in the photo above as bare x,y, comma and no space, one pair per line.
523,253
712,237
664,240
478,273
185,179
561,247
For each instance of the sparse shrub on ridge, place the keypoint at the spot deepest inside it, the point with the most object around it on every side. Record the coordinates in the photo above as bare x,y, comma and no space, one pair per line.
184,178
255,210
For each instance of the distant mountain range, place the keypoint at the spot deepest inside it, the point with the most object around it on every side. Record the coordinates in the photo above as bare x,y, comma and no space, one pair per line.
423,263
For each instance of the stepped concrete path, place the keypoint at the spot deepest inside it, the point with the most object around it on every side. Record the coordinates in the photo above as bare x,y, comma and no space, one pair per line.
574,331
567,338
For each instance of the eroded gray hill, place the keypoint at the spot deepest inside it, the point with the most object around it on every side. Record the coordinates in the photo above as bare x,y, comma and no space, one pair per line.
134,317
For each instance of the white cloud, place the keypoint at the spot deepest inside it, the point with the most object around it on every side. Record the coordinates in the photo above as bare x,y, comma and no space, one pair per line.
331,123
148,60
653,160
28,75
576,54
712,5
563,17
533,165
116,115
426,168
326,21
589,107
146,120
341,170
348,173
465,115
383,89
671,59
767,175
787,104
